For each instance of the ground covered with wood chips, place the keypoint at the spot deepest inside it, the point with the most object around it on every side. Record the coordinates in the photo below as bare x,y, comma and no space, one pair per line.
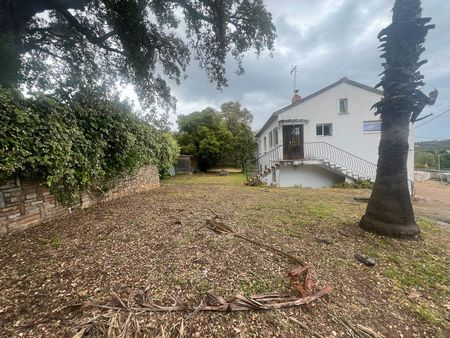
158,241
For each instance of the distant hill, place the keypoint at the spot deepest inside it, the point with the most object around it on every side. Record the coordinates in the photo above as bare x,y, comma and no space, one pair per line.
434,146
426,155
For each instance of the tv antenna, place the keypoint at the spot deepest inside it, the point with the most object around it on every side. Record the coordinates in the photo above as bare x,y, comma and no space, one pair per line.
294,70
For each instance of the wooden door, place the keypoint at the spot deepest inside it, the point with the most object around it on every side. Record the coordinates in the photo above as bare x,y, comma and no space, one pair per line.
293,142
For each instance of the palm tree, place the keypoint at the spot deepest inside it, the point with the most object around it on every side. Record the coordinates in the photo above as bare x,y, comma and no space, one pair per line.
390,209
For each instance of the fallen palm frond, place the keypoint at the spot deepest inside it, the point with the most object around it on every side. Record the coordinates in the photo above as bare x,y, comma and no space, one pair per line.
308,329
357,331
218,226
214,302
120,318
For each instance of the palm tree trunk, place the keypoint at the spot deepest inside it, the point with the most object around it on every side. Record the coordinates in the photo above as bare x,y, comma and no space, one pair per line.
390,209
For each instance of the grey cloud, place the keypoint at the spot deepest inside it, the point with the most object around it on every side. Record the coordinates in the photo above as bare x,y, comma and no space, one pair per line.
328,40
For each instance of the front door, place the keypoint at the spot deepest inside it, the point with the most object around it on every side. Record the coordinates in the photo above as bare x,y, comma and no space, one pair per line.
293,142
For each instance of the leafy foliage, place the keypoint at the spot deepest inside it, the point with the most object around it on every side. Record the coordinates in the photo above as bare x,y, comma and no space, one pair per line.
429,159
136,41
218,137
402,45
83,146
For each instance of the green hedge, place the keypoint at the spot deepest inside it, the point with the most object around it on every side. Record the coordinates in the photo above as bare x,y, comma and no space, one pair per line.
82,146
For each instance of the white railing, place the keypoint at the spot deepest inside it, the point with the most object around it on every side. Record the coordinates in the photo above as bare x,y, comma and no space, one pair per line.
352,164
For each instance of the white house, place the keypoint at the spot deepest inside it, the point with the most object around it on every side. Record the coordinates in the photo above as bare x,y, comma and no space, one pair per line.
328,137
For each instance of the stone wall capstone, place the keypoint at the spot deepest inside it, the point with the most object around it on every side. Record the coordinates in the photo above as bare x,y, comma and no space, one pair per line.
24,203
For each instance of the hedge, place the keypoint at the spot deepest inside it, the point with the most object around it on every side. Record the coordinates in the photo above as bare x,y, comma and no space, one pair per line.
85,145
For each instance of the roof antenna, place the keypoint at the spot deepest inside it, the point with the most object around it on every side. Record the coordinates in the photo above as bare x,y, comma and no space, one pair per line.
294,70
296,97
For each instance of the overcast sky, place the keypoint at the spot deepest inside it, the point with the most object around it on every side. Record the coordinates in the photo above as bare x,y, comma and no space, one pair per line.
327,39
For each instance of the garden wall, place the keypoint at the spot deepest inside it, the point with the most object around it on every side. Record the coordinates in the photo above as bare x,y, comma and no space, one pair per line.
24,203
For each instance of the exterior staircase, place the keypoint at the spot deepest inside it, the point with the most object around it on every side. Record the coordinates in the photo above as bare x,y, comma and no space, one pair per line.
323,154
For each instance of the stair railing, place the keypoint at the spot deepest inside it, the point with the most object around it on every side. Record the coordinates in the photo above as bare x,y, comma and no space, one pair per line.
328,153
341,158
269,158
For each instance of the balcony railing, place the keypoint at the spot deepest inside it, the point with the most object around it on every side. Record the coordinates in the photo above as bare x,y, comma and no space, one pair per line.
320,151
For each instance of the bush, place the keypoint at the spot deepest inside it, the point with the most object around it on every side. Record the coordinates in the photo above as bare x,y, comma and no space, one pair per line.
358,184
84,145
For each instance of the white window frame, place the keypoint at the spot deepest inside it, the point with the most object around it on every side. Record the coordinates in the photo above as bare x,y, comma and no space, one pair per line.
345,101
322,125
270,139
378,122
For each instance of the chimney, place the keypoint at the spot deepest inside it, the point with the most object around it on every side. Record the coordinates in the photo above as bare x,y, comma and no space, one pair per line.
296,97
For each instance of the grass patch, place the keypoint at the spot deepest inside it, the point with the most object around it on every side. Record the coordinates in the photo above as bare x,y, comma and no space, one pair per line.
233,179
425,225
424,272
428,315
257,285
322,210
54,241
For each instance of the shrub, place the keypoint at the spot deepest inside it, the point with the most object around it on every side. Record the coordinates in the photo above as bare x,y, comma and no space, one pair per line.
83,145
358,184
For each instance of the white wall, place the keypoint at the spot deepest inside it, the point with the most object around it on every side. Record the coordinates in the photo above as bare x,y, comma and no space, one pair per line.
308,176
265,134
347,132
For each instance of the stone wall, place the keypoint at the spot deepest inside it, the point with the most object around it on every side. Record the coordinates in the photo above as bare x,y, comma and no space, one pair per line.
24,203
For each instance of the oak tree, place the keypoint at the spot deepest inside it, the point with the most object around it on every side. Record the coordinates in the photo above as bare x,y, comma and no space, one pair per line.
62,45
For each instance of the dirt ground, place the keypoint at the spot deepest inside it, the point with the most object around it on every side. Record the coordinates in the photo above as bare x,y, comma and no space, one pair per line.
432,200
158,241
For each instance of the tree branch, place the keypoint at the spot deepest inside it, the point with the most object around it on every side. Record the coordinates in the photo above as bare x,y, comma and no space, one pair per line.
192,11
48,52
96,40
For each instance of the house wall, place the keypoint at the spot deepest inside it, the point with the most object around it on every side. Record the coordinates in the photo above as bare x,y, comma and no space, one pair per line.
270,128
24,203
308,176
347,132
347,128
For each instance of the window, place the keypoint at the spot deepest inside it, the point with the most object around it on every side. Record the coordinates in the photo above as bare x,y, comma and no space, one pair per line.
265,144
343,106
259,146
371,126
324,129
270,140
275,137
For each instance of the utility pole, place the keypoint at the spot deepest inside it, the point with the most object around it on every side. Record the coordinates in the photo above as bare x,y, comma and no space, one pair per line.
439,168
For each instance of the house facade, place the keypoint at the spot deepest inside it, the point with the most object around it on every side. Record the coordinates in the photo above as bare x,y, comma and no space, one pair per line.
328,137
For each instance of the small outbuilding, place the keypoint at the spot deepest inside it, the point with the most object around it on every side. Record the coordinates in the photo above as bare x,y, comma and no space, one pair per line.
186,164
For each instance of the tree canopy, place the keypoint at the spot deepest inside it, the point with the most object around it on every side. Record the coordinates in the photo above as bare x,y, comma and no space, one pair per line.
78,43
218,137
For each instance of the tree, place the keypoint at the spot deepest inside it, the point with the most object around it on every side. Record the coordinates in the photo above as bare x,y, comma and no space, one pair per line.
218,137
390,209
98,42
425,159
238,122
205,135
